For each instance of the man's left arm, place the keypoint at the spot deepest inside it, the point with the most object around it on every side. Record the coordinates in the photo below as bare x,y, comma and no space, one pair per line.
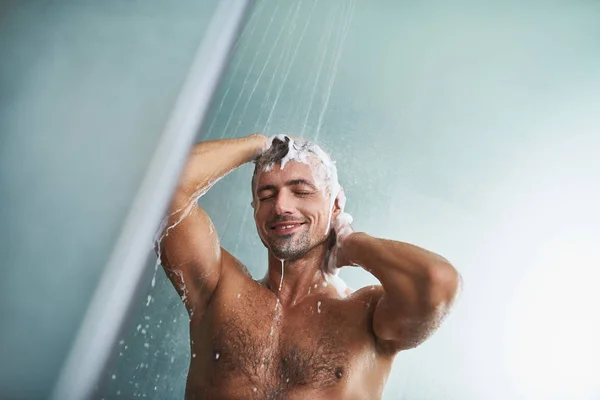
420,287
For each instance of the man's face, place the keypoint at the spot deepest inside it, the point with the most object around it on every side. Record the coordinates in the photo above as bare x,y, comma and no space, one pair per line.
291,210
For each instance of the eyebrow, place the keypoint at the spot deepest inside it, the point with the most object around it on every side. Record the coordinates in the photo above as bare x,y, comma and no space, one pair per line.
293,182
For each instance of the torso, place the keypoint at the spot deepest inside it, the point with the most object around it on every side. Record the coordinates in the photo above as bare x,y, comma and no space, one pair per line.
246,345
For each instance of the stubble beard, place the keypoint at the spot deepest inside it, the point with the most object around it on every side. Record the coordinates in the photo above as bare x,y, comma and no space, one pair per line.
291,247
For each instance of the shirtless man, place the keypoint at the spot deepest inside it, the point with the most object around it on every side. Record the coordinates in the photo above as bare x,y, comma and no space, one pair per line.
298,333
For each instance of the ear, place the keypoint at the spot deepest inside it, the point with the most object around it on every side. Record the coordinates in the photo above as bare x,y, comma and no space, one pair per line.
339,203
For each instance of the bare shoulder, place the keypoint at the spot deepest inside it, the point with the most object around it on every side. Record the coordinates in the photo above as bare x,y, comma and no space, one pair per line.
362,302
370,293
369,297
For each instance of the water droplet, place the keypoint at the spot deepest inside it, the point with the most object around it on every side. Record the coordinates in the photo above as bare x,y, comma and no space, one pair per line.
255,389
121,342
118,392
287,380
217,355
114,376
238,296
319,307
146,345
149,300
315,285
139,327
282,271
143,331
324,284
120,354
194,355
155,269
172,360
125,347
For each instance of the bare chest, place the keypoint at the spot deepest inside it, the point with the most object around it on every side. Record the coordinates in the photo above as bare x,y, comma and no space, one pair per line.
255,343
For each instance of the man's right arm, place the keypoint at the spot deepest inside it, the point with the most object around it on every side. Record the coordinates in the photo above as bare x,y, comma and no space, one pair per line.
190,251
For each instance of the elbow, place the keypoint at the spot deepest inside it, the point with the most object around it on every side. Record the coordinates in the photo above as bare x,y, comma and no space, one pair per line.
444,284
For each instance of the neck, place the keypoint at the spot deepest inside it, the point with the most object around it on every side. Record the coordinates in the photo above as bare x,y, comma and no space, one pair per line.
297,279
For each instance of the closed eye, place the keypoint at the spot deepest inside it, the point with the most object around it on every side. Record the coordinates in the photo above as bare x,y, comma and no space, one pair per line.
265,198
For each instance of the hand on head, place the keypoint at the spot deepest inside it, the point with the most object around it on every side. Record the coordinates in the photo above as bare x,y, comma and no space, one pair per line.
282,137
270,140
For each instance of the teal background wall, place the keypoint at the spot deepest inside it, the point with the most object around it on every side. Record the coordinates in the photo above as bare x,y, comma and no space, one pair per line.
86,89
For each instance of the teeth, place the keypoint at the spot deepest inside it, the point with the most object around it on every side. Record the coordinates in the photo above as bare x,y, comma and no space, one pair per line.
286,226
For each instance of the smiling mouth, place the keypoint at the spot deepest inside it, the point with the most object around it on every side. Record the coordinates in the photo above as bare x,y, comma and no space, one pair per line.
286,229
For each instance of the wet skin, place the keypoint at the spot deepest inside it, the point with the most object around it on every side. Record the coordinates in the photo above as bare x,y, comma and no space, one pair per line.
249,346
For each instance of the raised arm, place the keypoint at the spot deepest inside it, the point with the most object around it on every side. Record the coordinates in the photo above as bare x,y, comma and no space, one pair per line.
419,288
189,249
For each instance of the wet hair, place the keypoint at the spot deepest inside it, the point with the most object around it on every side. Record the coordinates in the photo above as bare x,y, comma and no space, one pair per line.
284,149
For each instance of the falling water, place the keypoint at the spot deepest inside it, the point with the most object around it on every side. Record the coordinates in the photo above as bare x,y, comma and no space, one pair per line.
250,70
280,30
281,281
267,124
277,316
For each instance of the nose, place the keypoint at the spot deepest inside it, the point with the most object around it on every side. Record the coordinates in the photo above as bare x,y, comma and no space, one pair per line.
284,203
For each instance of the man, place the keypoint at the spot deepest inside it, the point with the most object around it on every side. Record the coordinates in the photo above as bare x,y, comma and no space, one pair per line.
299,333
